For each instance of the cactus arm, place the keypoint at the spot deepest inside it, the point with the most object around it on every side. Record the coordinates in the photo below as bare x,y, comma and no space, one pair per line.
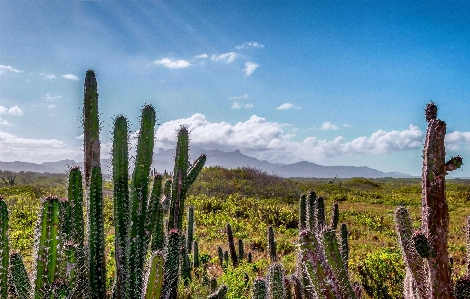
231,245
435,213
154,279
91,125
4,249
413,262
138,202
195,170
120,156
20,276
335,260
97,266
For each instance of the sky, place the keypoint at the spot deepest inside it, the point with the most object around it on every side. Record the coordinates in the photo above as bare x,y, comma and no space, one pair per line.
329,82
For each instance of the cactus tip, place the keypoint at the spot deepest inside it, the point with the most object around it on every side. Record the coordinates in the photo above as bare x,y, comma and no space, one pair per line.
430,111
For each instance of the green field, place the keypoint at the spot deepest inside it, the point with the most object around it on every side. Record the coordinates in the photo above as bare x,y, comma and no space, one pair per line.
251,201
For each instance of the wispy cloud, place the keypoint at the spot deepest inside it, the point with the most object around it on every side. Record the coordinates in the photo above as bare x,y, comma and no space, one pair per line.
70,77
4,68
329,126
237,105
15,110
4,122
47,76
226,57
250,67
251,44
202,56
173,63
245,96
50,97
287,106
262,139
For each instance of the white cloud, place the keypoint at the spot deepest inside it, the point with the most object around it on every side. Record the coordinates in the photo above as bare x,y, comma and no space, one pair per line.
329,126
455,139
4,122
247,45
4,68
13,148
202,56
173,63
287,106
47,76
250,67
70,77
226,57
262,139
237,105
15,110
51,106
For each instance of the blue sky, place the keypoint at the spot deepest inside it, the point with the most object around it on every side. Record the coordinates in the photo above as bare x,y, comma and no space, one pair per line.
331,82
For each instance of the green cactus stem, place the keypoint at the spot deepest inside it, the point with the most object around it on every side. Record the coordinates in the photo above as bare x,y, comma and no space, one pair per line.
320,214
91,125
120,162
231,245
421,244
220,254
319,275
4,249
196,169
225,265
333,256
47,246
154,215
19,276
185,262
190,229
154,277
196,261
311,206
158,234
220,293
334,216
272,245
171,265
303,212
97,265
241,250
297,288
260,290
138,200
249,258
344,250
275,282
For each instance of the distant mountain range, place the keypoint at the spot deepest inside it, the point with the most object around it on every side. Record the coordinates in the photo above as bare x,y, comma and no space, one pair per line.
163,160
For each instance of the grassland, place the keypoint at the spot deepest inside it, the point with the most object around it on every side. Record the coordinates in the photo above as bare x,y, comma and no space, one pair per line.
252,201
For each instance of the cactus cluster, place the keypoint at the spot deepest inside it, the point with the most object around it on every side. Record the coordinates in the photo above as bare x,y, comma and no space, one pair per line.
67,266
428,272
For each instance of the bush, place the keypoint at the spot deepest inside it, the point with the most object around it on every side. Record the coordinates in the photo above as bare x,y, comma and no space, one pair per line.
382,274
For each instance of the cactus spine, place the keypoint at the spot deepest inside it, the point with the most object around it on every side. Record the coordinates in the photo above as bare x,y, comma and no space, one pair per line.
425,251
4,249
91,125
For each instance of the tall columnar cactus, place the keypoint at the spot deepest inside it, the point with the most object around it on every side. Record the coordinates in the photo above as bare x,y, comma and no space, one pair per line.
272,245
196,262
275,282
303,218
154,277
96,259
171,265
138,200
4,249
91,125
241,250
259,289
231,245
311,209
425,251
190,229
